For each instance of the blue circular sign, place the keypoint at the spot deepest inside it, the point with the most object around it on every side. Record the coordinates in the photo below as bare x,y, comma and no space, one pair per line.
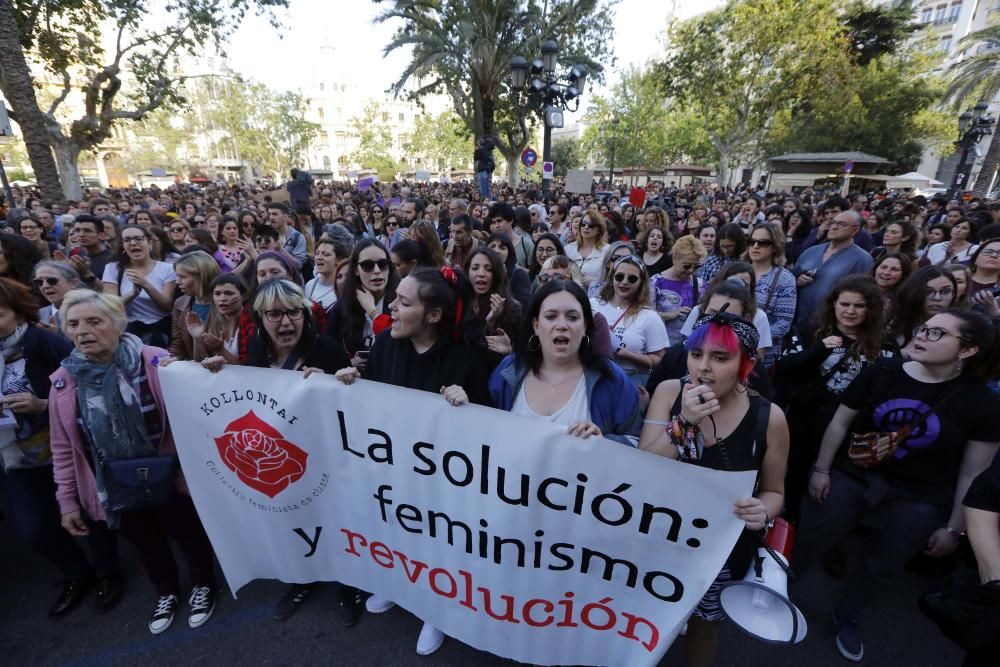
529,157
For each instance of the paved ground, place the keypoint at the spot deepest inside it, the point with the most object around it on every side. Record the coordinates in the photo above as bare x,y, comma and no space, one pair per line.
242,632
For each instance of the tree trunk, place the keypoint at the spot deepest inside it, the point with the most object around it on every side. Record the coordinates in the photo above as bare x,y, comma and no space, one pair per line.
723,178
989,169
68,156
513,173
16,83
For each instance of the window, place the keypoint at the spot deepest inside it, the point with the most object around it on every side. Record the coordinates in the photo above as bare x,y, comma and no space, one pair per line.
939,13
925,16
322,87
385,116
326,163
946,43
402,117
321,112
956,7
324,137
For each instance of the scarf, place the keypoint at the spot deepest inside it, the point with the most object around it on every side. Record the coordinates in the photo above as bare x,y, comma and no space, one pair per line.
110,408
10,350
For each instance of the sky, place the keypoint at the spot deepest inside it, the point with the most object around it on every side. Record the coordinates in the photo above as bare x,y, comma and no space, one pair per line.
286,61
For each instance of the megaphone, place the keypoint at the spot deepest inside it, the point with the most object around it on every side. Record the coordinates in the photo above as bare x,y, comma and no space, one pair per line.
759,604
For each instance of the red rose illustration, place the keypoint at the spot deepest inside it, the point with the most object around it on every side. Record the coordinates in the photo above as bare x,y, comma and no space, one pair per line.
260,456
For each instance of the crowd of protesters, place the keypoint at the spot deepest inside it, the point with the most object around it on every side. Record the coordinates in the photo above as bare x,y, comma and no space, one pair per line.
844,348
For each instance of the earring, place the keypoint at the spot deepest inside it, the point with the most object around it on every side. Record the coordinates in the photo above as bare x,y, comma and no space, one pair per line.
585,343
960,364
538,343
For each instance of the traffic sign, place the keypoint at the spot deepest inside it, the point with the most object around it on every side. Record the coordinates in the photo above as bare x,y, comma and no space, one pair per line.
529,157
547,169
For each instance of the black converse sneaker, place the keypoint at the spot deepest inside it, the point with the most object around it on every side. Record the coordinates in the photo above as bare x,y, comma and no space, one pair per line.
202,604
163,615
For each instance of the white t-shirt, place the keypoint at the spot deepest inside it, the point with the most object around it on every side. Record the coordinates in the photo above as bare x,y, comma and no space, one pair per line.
142,308
592,266
759,321
938,252
322,294
576,409
643,333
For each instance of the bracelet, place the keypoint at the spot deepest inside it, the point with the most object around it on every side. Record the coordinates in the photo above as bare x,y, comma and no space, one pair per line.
820,470
687,438
958,534
369,314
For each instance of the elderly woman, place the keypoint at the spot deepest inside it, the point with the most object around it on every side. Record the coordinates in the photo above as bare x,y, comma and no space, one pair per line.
30,355
53,279
106,407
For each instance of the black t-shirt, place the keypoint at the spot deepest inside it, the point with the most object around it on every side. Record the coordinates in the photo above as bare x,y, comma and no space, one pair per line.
396,361
926,463
326,354
984,493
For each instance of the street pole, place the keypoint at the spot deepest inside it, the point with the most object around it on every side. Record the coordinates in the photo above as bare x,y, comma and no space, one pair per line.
6,186
546,157
611,167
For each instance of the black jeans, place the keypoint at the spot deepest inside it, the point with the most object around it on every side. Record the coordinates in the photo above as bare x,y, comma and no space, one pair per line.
902,528
149,531
31,498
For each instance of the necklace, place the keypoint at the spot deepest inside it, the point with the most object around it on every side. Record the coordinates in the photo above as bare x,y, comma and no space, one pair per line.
553,385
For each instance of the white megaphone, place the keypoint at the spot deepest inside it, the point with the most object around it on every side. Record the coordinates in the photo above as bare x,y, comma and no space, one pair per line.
759,603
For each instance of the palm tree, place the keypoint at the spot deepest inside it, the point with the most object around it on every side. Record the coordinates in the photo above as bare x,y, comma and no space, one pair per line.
978,77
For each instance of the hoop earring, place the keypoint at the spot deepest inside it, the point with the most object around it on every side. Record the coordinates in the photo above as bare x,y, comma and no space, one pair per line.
585,343
536,339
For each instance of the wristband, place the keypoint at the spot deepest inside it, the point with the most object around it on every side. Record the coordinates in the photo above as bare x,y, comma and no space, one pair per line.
820,470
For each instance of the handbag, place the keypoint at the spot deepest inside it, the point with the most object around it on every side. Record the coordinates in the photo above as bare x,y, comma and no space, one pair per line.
867,450
135,485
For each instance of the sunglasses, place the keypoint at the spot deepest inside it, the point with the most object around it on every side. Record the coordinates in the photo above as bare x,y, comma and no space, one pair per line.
762,243
178,230
589,225
546,277
392,223
622,277
50,281
277,315
369,265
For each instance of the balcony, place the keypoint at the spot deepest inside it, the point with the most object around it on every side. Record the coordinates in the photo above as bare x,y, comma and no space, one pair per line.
945,20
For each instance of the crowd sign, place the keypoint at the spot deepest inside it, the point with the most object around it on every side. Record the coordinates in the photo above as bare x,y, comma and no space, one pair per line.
502,531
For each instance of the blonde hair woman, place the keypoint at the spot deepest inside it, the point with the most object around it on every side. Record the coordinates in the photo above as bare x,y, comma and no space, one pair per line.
677,290
195,273
591,246
776,293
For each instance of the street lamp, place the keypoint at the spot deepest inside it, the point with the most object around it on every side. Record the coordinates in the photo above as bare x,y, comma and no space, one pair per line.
614,145
972,127
548,92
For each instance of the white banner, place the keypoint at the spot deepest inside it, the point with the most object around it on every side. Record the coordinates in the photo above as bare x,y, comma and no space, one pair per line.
502,531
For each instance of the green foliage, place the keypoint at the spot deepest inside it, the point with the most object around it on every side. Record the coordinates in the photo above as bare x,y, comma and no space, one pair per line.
463,48
374,149
874,31
635,121
567,154
440,142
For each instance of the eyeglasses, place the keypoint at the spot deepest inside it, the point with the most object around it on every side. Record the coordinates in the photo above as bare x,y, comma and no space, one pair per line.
277,315
843,223
50,281
199,221
985,253
623,277
133,239
945,293
178,230
762,243
545,250
369,265
933,334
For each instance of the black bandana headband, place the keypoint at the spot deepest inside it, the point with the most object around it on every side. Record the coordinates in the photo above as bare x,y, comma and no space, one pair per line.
745,331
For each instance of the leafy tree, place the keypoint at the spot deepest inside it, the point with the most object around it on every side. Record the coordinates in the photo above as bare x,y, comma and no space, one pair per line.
567,154
740,66
977,77
463,48
374,149
144,53
877,30
635,120
441,142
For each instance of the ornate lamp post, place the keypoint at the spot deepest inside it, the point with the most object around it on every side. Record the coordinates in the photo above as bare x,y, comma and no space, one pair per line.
972,127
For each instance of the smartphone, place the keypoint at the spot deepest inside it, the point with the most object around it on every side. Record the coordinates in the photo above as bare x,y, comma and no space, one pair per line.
79,251
363,354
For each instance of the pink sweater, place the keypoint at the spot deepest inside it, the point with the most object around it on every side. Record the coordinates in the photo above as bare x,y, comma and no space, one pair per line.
77,485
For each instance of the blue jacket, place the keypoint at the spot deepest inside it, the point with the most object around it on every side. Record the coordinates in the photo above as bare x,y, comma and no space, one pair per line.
614,402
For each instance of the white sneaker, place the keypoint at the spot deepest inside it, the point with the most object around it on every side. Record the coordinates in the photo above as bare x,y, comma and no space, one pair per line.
430,639
202,604
163,615
377,605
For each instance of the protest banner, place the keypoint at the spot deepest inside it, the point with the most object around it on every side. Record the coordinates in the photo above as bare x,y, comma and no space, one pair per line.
580,181
504,532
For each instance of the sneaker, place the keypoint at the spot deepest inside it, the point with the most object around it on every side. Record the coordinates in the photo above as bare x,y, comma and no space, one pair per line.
291,600
430,639
202,604
848,638
377,605
163,615
351,605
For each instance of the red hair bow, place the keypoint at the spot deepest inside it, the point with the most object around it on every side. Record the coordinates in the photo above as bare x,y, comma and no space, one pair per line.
449,274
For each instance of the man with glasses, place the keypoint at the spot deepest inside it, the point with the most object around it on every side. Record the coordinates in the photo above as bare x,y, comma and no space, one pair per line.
821,267
557,215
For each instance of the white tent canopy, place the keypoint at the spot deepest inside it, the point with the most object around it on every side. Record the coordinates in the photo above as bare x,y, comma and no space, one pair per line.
913,179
